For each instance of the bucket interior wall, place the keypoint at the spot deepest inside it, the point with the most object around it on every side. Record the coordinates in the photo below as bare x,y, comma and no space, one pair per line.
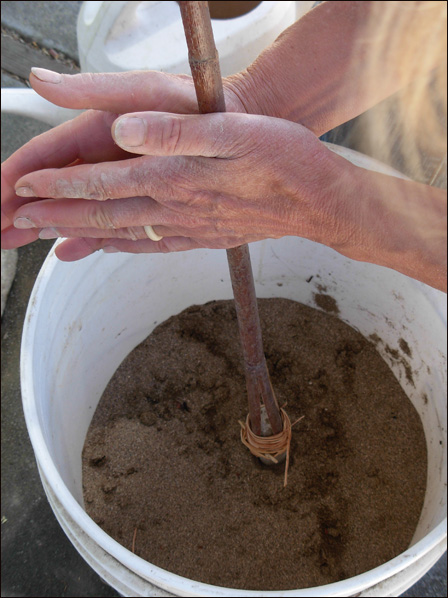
92,313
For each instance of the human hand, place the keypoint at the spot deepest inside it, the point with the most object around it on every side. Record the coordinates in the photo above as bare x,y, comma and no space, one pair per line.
87,139
217,180
207,181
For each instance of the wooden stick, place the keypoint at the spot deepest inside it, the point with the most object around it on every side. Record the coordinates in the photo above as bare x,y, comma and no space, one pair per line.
204,64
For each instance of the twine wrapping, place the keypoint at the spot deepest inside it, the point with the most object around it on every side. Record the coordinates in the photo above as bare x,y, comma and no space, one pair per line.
270,447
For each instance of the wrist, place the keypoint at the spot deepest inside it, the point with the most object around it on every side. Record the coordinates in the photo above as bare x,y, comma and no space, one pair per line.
323,208
395,223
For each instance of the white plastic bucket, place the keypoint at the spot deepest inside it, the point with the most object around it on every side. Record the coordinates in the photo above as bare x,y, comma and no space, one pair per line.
121,36
85,317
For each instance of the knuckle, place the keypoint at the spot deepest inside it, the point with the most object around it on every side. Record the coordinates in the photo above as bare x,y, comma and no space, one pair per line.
218,226
96,185
88,80
164,246
94,191
176,184
137,177
135,233
171,134
194,201
185,174
100,218
92,187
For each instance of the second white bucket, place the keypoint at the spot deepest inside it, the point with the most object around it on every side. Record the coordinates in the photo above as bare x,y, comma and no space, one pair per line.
123,36
85,317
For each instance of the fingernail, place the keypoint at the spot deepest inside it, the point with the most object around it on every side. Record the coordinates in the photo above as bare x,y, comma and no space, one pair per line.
22,222
48,233
46,76
130,132
25,192
109,249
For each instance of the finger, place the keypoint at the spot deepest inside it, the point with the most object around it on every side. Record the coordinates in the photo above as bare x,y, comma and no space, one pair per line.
76,249
214,135
132,233
85,138
113,214
210,135
12,237
117,92
109,180
71,217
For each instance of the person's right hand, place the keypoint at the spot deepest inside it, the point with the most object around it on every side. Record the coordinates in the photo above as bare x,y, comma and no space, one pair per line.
87,138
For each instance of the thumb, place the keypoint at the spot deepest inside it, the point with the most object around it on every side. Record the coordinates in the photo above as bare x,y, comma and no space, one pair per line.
218,135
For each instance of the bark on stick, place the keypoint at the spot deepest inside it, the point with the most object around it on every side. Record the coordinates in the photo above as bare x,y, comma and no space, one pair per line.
204,64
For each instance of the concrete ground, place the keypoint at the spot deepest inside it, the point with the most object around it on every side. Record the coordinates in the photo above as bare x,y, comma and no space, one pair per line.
37,558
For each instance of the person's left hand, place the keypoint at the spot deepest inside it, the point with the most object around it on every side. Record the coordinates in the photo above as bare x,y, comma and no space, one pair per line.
216,180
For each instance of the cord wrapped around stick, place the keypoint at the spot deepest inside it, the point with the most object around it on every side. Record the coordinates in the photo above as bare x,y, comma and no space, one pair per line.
270,447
